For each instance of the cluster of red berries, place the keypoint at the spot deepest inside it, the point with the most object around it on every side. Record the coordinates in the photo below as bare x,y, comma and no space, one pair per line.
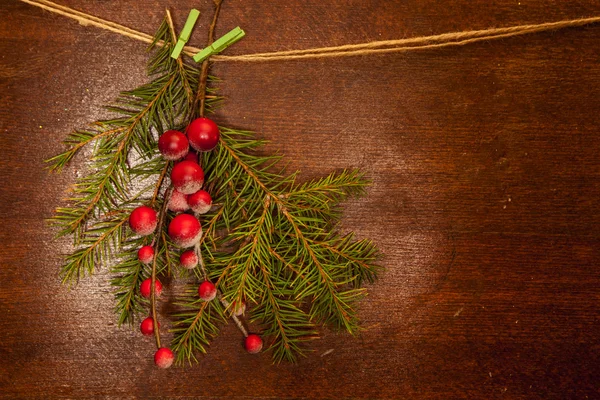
184,230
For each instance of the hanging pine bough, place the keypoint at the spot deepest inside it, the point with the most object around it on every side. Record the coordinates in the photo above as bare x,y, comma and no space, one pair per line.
268,253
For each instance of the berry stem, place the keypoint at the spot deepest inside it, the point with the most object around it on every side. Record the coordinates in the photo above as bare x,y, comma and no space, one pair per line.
201,260
161,221
234,317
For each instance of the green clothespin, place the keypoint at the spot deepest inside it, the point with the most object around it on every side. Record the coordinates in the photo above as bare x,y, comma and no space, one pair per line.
184,36
220,44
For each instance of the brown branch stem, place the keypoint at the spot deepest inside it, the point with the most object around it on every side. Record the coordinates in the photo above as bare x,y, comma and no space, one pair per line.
201,260
161,221
159,184
201,96
186,84
234,317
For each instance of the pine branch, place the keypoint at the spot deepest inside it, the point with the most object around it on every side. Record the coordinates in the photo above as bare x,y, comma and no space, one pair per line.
196,324
288,325
128,274
269,241
96,247
141,113
285,255
76,141
242,278
321,279
202,89
358,256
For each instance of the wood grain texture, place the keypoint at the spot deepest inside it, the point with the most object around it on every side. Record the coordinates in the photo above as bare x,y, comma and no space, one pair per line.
485,198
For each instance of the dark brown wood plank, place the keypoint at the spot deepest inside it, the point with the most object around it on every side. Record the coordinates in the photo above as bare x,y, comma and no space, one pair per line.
485,198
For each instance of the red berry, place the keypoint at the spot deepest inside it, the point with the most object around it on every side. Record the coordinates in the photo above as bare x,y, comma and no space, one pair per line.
188,259
185,230
191,156
173,145
203,134
145,288
253,344
200,201
187,177
178,202
207,291
238,311
146,254
147,326
164,357
143,220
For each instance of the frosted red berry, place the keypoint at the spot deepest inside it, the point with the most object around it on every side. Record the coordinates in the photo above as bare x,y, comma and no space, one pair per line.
146,254
178,202
187,177
164,357
143,220
185,230
203,134
147,326
236,310
188,259
253,344
200,202
145,288
173,145
207,291
191,156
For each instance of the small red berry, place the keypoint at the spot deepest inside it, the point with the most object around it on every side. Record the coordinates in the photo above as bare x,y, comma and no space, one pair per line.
173,145
143,220
164,357
147,326
191,156
253,344
187,177
145,288
200,201
203,134
185,230
188,259
146,254
238,311
207,291
178,202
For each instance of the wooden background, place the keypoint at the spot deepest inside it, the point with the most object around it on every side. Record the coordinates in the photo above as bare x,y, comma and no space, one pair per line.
485,198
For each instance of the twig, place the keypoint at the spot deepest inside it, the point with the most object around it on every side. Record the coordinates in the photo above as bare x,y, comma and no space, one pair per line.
200,260
201,96
234,317
161,221
159,183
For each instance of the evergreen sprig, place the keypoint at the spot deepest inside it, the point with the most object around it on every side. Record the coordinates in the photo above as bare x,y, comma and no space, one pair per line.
140,115
270,241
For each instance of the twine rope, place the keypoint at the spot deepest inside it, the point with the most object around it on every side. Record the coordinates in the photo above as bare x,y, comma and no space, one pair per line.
376,47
